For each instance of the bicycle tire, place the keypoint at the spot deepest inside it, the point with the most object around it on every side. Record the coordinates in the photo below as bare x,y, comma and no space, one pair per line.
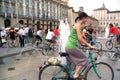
106,72
109,45
48,75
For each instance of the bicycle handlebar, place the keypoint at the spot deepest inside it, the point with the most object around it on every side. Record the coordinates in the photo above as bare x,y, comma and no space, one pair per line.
101,50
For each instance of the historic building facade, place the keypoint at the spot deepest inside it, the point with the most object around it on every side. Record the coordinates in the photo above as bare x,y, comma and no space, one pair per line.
72,15
106,17
42,13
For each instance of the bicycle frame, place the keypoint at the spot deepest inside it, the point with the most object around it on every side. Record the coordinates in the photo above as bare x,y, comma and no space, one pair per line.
71,72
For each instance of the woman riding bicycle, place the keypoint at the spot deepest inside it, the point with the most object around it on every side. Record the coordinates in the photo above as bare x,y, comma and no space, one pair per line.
76,56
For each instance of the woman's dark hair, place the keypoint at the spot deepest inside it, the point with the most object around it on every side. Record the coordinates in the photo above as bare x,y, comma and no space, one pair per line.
111,24
80,16
51,29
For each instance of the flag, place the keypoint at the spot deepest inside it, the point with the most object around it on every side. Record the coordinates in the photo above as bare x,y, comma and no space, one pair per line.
5,15
11,15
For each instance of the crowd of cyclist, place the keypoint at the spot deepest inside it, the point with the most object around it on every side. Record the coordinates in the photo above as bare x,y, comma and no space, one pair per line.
27,34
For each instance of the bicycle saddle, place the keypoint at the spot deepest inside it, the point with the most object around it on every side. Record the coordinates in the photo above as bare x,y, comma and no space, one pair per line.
63,54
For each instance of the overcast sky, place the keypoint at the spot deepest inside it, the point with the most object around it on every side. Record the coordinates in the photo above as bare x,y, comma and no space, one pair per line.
90,5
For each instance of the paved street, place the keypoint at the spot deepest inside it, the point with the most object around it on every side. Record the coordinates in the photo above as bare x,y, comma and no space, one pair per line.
25,67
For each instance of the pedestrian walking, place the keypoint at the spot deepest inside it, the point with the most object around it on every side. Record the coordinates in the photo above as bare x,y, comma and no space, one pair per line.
12,34
31,34
3,37
26,30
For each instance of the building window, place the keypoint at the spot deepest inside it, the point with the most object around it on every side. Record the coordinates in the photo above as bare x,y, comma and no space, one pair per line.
7,9
26,2
20,12
12,0
114,17
20,1
110,17
104,17
104,23
107,17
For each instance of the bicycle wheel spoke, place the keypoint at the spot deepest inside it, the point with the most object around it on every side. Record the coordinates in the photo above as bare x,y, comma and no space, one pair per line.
109,45
52,72
104,71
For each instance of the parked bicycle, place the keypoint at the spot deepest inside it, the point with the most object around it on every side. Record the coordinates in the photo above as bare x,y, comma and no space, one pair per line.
94,71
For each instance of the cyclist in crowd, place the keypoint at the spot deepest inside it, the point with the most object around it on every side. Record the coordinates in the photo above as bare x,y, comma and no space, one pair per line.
39,34
115,31
76,57
56,31
87,32
56,34
49,37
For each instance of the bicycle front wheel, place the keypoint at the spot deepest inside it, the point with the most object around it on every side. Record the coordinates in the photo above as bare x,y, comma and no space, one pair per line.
104,70
54,72
118,49
109,45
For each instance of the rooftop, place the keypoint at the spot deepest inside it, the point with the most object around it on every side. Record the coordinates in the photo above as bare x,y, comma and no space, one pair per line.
114,11
102,8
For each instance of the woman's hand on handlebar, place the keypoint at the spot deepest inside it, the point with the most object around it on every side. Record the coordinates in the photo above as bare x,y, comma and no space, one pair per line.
93,47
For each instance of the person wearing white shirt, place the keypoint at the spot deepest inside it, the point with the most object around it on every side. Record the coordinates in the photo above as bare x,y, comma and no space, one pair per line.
49,38
3,36
39,34
50,35
26,30
21,36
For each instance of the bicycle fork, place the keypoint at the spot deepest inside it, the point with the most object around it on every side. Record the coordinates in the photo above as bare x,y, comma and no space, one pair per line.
94,66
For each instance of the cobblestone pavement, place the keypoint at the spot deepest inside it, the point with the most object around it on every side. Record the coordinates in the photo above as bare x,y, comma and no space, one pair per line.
23,67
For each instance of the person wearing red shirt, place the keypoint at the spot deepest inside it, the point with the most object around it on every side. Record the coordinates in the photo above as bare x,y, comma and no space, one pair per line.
114,30
56,32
